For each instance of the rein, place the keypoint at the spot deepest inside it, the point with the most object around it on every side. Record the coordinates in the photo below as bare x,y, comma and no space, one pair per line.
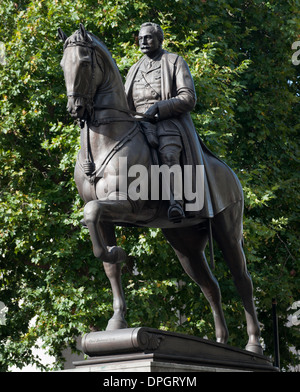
142,116
88,167
89,97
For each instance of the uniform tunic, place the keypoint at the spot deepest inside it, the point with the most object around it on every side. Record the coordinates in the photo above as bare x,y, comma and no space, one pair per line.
146,91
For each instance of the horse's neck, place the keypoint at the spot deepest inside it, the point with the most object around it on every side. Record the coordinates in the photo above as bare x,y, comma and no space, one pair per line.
110,103
111,95
110,100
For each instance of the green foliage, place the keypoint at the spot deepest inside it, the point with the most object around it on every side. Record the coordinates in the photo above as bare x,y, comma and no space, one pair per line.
239,53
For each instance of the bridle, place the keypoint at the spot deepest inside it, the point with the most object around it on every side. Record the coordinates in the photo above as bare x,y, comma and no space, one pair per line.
89,119
88,98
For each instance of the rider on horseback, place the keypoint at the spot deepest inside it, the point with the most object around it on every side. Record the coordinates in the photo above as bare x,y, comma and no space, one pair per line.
160,85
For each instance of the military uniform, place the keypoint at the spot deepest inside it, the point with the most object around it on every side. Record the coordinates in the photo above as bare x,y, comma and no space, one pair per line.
165,80
178,98
146,91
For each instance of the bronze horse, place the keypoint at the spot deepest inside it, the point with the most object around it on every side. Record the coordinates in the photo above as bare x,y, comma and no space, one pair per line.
109,131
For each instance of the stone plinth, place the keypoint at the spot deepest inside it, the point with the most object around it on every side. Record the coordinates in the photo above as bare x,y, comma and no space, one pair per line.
150,350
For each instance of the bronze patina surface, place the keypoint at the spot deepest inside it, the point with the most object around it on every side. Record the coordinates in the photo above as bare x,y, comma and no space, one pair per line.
148,123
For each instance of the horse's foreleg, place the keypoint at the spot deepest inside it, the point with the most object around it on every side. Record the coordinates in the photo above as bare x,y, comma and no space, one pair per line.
113,272
95,212
103,238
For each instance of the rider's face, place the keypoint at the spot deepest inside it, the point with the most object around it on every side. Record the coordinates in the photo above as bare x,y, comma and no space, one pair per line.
148,40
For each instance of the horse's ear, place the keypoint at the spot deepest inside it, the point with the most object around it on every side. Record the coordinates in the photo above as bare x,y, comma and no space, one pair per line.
82,30
61,34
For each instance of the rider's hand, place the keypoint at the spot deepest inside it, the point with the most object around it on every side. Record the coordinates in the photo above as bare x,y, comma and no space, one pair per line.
153,110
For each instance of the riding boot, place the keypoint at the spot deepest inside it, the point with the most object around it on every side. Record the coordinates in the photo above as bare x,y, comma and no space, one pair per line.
175,211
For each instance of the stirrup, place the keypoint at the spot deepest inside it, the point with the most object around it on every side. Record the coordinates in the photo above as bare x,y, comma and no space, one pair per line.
176,213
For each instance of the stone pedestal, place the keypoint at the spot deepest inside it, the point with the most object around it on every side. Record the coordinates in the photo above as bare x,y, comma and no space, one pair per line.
150,350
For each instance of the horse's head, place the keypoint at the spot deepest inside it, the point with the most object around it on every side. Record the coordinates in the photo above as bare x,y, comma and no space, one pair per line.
82,75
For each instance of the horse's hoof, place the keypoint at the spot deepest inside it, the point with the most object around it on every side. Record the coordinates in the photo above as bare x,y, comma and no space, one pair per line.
255,348
222,334
114,324
115,255
222,340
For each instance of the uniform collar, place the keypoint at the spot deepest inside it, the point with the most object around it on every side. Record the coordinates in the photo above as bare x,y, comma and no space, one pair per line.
150,64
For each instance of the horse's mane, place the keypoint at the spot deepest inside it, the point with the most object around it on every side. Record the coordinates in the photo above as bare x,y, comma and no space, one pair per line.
91,40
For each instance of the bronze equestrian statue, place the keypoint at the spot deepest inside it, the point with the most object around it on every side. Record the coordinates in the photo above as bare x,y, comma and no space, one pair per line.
150,89
146,128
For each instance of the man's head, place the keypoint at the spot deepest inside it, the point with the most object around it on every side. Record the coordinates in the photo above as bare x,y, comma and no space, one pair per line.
151,38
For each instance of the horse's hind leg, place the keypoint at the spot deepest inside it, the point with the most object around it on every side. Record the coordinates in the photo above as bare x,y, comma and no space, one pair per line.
189,244
228,231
